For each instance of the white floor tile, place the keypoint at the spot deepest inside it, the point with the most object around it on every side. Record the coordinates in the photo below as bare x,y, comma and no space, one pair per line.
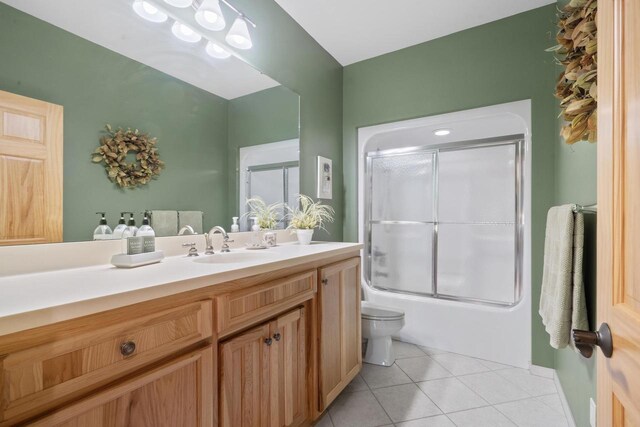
404,350
430,350
553,401
357,384
494,366
358,409
459,365
405,402
377,376
451,395
324,421
493,388
532,384
422,368
481,417
532,413
437,421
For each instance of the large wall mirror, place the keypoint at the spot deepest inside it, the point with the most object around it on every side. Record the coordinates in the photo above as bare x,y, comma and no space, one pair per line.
225,131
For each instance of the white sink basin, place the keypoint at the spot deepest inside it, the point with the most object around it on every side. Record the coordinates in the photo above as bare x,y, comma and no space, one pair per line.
234,257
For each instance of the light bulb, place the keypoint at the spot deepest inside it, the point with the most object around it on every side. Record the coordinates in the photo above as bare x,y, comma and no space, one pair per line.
148,11
179,3
238,36
185,33
210,16
441,132
216,51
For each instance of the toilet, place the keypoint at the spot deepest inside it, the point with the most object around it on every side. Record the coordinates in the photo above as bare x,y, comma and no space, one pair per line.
378,325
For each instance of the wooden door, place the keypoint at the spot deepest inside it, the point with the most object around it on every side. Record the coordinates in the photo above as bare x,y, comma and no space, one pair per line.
30,170
288,372
244,379
340,357
177,394
618,378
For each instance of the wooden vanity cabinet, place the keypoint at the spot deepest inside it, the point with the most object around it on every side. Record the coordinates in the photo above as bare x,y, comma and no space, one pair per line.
263,374
176,394
339,328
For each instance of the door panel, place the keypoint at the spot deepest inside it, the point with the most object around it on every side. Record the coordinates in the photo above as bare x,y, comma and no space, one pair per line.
175,394
618,210
244,379
30,170
340,333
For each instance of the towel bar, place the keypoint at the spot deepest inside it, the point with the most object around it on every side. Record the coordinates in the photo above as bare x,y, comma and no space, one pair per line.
590,209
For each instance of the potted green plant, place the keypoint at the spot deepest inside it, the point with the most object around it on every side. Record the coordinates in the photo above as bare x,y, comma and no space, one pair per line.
307,216
266,216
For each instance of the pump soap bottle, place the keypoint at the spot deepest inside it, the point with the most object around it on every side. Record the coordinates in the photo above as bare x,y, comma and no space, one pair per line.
117,232
131,229
235,227
102,231
147,233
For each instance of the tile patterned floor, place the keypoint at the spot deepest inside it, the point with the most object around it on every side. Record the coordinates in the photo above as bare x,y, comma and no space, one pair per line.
427,387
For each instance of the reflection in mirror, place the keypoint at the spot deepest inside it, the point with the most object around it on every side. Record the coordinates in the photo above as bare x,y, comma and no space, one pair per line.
78,66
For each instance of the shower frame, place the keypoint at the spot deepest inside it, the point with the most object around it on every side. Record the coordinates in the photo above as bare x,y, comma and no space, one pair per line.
518,141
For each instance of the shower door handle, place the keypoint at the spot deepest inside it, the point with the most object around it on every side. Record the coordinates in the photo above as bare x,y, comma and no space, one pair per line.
586,340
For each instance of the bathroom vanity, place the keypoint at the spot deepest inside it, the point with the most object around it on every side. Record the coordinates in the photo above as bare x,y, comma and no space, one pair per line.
238,339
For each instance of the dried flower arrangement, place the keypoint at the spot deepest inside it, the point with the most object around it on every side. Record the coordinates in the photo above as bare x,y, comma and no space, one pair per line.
113,150
576,87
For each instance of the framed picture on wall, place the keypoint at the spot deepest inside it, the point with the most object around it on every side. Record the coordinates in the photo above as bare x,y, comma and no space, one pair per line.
324,178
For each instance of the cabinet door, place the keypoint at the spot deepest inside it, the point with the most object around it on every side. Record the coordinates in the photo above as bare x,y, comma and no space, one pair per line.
339,324
179,393
288,386
244,379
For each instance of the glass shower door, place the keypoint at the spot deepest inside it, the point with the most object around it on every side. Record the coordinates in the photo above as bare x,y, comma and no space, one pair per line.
401,221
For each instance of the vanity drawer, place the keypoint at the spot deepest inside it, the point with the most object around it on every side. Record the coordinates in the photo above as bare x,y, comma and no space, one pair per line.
50,374
238,309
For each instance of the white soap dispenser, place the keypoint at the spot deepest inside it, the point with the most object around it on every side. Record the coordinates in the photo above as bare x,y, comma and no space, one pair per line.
145,229
122,225
131,229
235,227
102,231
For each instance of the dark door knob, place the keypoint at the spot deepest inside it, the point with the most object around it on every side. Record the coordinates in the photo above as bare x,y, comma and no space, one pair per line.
127,348
268,341
277,336
586,340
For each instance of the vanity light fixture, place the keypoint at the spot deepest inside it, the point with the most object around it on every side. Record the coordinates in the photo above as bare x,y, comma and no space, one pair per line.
148,11
179,3
216,51
209,15
185,33
441,132
238,36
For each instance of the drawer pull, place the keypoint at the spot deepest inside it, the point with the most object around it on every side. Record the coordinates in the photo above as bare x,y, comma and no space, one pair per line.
268,341
325,281
127,348
276,336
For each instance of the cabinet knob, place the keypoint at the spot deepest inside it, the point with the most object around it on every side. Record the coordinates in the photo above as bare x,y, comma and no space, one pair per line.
127,348
268,341
276,336
325,281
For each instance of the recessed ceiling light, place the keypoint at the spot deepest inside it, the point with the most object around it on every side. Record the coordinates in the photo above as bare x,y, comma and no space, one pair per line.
148,11
441,132
179,3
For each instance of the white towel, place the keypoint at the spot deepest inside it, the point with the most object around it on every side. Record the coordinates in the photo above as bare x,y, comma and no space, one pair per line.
562,300
192,218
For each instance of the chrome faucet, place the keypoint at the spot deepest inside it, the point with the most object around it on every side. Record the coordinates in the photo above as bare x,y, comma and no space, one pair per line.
187,229
209,237
193,251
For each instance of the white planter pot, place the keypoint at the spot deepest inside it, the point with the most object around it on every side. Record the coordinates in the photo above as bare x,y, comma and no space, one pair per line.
304,236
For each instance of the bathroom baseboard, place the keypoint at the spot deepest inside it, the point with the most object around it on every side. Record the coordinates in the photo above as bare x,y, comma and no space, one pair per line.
550,373
542,371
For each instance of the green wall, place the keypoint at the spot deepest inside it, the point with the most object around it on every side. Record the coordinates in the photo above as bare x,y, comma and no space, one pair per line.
499,62
287,53
267,116
97,86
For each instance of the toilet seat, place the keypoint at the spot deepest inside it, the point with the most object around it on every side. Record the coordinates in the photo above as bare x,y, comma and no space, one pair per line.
375,312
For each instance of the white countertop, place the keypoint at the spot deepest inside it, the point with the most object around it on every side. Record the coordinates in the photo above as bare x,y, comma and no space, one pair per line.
32,300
